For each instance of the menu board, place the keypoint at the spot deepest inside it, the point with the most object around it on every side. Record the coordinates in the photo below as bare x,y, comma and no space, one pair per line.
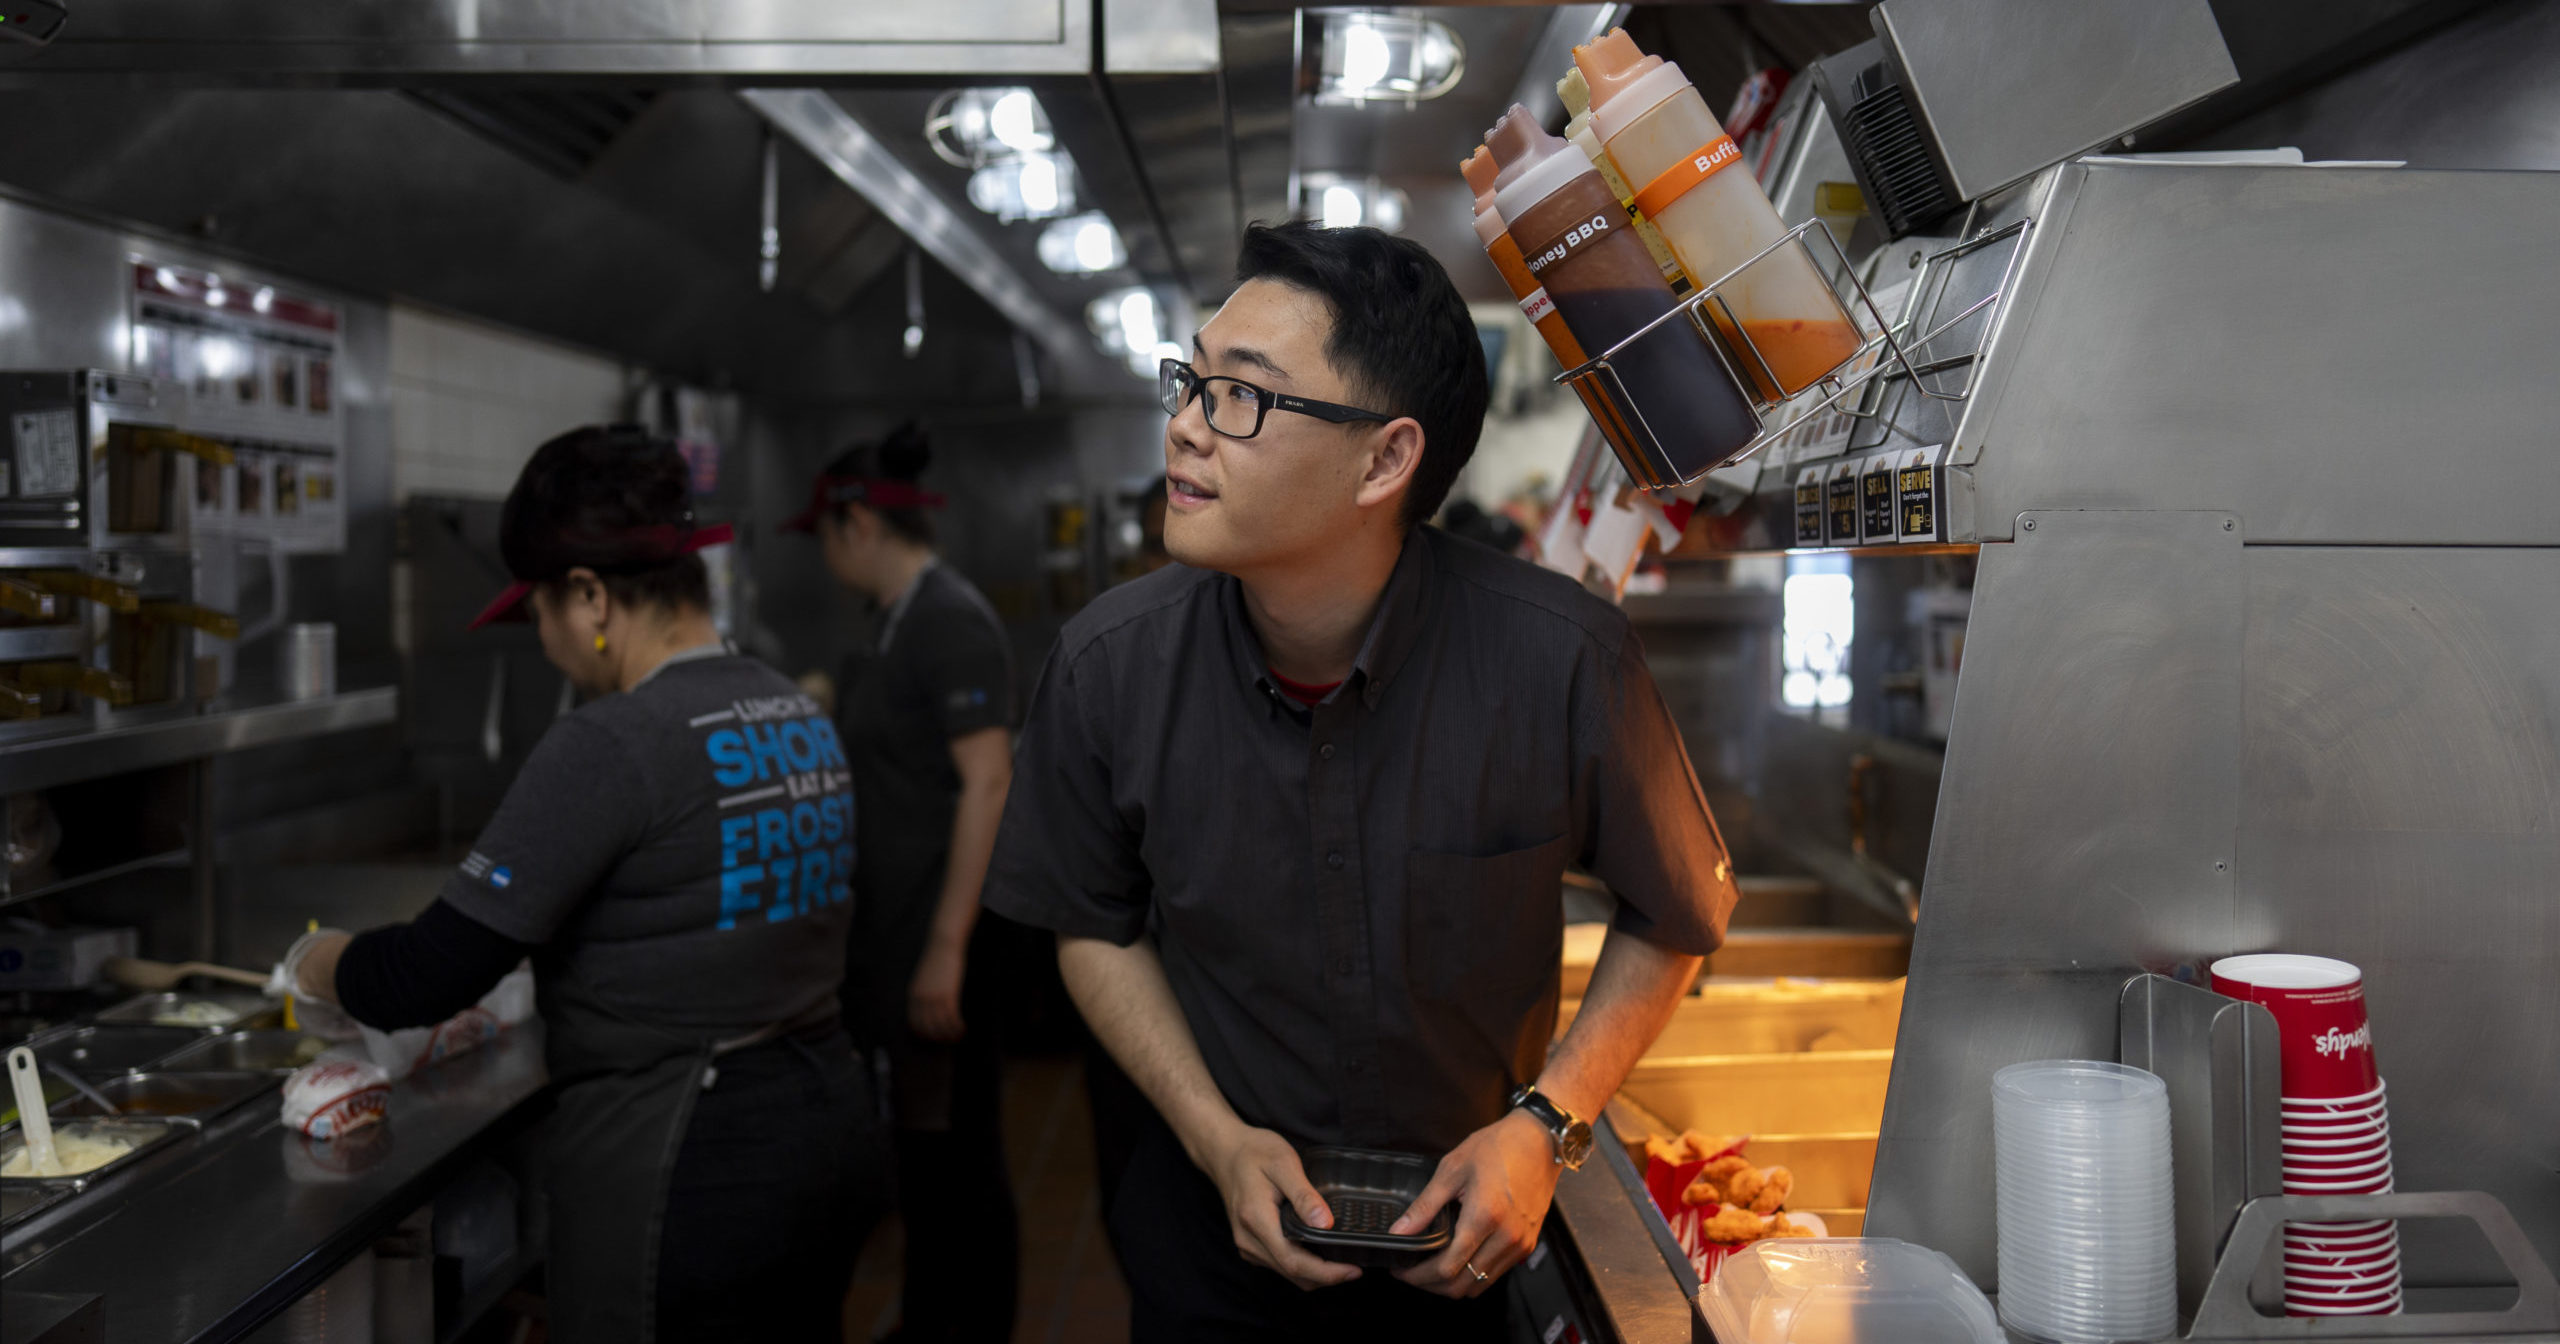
255,367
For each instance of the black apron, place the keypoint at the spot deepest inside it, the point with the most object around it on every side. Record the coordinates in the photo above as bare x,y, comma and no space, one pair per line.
625,1092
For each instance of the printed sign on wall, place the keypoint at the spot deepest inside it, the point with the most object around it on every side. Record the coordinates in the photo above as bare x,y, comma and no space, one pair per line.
255,367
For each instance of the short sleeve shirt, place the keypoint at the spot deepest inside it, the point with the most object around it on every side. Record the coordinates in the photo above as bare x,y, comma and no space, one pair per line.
1358,904
943,669
682,851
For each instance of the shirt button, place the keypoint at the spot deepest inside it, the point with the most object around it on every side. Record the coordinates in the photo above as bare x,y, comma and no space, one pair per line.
1325,751
1333,860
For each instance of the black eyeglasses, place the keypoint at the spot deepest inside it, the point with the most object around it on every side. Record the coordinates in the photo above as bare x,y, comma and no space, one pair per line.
1235,408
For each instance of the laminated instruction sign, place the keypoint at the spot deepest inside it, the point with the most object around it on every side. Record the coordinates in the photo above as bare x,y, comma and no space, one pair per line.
255,367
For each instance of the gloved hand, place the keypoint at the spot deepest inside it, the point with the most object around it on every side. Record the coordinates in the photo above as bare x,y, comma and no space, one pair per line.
286,978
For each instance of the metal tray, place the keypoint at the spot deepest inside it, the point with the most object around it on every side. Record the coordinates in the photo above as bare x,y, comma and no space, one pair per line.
21,1200
219,1012
146,1135
199,1097
96,1052
265,1051
1368,1189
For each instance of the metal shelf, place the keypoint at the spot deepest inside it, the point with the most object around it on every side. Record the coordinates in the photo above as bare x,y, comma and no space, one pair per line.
77,756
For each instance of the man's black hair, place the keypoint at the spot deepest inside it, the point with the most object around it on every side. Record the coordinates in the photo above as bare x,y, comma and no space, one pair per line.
1401,336
900,456
615,499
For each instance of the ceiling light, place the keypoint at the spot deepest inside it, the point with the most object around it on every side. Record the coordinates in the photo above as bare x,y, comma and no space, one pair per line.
1384,55
970,128
1130,323
1082,245
1340,202
1040,185
264,299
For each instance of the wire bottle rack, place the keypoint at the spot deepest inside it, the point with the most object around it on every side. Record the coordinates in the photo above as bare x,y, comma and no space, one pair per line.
1887,350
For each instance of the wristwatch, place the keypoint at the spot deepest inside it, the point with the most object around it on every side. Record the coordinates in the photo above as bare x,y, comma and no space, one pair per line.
1571,1132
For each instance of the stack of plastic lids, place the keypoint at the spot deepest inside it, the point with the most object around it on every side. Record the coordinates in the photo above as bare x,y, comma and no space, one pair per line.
2087,1242
1842,1291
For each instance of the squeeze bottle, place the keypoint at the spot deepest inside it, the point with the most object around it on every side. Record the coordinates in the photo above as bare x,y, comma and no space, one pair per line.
1479,170
1576,94
1687,180
1688,411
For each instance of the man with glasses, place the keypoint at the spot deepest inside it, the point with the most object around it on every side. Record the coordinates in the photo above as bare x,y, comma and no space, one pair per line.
1299,808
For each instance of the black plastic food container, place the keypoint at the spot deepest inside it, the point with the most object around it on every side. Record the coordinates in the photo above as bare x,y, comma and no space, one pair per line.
1367,1191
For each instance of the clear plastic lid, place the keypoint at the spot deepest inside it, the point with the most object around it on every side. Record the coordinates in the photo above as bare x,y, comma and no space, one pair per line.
1846,1290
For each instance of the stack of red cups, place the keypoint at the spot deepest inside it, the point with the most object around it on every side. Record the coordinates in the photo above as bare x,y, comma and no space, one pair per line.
2337,1128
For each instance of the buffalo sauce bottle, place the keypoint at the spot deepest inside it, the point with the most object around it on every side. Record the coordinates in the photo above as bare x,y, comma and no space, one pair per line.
1576,240
1689,181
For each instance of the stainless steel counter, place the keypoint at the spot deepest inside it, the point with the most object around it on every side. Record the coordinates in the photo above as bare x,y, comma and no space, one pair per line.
45,762
216,1236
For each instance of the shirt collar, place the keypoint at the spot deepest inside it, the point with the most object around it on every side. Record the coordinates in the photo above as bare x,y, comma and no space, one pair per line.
898,609
1391,637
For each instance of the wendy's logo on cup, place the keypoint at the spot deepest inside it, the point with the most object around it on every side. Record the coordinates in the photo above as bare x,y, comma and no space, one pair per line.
2334,1044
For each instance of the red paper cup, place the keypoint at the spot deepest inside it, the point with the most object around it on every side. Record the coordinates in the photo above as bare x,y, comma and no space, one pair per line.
2371,1163
2291,1104
2378,1185
2336,1136
2325,1040
2316,1239
2344,1302
2362,1114
2365,1266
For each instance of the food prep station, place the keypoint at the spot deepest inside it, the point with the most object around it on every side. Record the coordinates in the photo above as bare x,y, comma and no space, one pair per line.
218,1216
2248,463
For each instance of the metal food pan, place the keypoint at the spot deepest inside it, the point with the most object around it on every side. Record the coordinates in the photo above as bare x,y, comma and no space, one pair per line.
196,1010
261,1051
1822,1092
21,1200
200,1097
146,1135
96,1052
1775,1017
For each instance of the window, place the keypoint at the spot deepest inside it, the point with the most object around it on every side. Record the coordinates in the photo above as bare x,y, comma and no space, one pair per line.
1821,619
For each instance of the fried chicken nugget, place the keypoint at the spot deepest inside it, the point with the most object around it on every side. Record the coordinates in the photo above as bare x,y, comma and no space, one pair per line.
1670,1152
1745,1185
1734,1225
1702,1191
1781,1227
1776,1184
1714,1182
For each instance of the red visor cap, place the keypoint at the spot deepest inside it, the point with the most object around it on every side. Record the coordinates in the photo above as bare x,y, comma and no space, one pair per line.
508,605
830,493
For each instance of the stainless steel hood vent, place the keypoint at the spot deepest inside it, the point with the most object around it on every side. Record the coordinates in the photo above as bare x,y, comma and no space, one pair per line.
562,131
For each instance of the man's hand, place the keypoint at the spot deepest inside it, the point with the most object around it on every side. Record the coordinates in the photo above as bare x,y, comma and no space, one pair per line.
933,997
1255,1169
1502,1178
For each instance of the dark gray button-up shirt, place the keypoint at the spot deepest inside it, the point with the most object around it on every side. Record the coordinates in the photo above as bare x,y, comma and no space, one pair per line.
1358,904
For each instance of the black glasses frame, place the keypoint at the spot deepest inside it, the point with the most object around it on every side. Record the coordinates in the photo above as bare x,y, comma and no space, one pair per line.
1172,373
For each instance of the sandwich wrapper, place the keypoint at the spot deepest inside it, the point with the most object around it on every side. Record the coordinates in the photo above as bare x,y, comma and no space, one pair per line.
349,1086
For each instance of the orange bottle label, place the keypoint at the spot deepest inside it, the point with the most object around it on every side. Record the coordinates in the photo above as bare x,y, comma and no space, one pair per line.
1677,180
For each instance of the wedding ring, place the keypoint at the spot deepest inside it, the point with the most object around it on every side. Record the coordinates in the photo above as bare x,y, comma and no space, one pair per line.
1480,1274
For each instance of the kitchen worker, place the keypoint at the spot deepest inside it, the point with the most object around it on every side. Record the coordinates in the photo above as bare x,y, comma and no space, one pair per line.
926,717
675,856
1299,808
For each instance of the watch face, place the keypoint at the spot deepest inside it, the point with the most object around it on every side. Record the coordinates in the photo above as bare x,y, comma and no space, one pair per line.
1574,1145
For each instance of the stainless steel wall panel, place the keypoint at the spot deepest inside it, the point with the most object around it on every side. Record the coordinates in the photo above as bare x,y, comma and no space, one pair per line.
2400,809
2085,833
2338,355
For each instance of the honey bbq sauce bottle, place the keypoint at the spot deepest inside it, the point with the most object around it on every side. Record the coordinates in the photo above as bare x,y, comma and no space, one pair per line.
1689,182
1479,170
1578,243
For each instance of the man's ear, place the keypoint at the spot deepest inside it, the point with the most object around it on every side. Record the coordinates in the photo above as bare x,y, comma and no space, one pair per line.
585,595
1395,453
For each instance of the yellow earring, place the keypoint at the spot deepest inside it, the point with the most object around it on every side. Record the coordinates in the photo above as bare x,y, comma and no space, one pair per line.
599,643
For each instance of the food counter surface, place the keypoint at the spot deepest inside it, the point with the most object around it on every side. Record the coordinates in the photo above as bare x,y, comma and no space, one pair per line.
210,1238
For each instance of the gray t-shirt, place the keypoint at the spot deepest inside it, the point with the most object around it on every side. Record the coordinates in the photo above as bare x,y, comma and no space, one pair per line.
683,852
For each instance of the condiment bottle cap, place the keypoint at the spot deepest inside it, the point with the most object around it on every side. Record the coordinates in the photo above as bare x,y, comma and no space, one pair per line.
1625,83
1480,170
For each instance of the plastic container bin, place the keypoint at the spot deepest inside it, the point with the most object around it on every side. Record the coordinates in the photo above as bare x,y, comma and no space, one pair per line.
1368,1190
1845,1291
